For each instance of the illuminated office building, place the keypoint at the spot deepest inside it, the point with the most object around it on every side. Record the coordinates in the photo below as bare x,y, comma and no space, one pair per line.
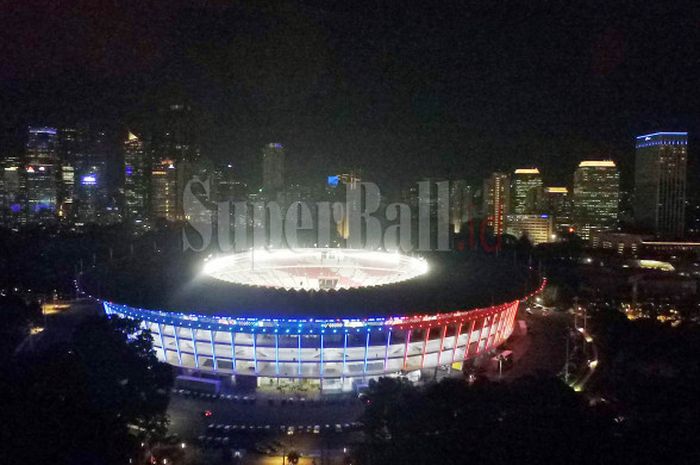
68,146
527,183
41,165
537,228
11,192
496,199
660,183
164,190
556,201
135,180
91,204
596,197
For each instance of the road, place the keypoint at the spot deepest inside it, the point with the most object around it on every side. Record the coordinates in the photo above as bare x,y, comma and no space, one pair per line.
188,421
542,350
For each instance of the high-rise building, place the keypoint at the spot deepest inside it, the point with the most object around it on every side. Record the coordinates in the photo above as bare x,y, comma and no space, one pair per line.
176,136
273,170
11,191
92,202
69,140
557,202
163,196
41,167
660,183
596,196
229,187
537,228
524,191
135,180
176,142
496,198
461,204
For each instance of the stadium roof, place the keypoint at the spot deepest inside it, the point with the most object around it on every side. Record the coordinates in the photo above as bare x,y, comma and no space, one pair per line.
175,283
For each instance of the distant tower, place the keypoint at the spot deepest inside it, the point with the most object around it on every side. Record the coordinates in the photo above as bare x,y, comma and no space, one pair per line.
229,187
660,183
176,142
11,191
273,170
164,190
496,200
596,196
91,188
68,146
41,165
135,180
526,184
557,202
461,204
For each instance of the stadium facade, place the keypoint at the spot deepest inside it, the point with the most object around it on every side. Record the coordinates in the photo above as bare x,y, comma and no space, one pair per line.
334,352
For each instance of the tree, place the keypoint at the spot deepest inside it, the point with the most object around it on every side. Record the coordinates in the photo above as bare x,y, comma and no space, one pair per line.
92,400
293,457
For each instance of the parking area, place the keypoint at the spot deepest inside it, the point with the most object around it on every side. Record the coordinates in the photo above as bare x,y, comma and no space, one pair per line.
192,415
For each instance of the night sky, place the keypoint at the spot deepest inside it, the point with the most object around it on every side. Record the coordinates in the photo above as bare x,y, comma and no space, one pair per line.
438,88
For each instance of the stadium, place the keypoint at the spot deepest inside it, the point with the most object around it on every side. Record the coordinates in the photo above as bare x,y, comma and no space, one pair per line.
330,319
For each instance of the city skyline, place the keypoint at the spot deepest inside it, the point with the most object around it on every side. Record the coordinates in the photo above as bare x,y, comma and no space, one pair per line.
156,169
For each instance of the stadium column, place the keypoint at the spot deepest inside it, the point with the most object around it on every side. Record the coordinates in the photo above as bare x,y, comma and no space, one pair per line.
299,353
467,344
213,350
454,349
364,367
499,327
233,351
194,348
481,334
177,345
514,315
162,342
345,352
506,320
321,358
442,344
277,355
492,332
425,346
255,354
501,317
386,351
405,352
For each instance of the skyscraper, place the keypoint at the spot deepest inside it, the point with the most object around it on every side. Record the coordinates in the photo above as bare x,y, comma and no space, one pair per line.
164,190
228,186
68,146
596,196
660,183
557,202
92,200
496,198
273,170
461,204
11,191
135,180
526,182
175,142
41,165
